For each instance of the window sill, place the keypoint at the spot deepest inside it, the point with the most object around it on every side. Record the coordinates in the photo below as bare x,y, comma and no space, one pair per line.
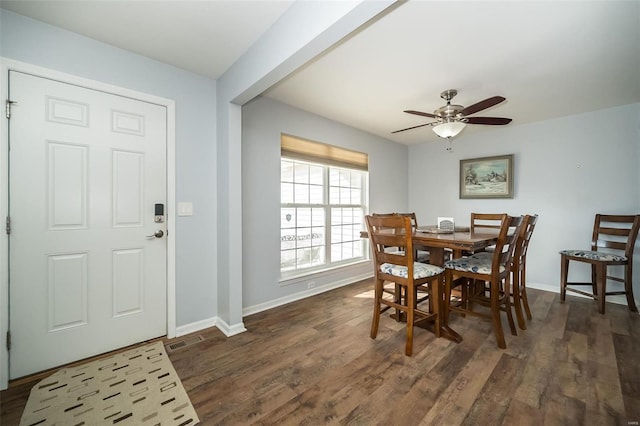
304,277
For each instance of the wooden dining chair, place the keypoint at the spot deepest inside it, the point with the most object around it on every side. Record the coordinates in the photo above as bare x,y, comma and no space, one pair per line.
396,292
486,222
612,243
495,270
401,269
420,255
519,271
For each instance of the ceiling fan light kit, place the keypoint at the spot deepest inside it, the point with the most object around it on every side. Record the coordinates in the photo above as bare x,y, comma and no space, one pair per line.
452,119
449,129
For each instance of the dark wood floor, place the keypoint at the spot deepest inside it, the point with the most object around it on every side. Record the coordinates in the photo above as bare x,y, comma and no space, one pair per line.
312,362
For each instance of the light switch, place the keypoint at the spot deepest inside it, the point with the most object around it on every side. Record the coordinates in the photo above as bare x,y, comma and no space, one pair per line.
185,209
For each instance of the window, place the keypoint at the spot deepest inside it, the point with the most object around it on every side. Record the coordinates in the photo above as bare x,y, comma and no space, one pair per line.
321,215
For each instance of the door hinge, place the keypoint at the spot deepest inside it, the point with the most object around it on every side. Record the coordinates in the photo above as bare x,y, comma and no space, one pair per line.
8,340
8,225
7,107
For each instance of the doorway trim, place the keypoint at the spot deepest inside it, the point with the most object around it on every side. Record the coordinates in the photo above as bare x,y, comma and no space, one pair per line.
12,65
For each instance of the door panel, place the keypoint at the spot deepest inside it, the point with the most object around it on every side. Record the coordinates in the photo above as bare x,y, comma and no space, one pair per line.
86,169
128,188
67,188
67,291
128,282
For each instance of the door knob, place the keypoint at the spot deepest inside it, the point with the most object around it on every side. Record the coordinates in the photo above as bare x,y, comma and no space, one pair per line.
159,234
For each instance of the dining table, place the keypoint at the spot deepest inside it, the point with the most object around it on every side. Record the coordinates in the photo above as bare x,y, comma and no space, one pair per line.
458,241
438,242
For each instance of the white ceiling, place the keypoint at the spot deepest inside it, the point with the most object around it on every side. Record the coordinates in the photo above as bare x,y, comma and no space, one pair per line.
203,36
549,59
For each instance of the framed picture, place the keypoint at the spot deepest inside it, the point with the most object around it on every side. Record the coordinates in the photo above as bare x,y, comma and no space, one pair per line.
488,177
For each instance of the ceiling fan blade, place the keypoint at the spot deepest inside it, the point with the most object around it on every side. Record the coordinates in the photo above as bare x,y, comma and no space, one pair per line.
487,103
493,121
424,114
414,127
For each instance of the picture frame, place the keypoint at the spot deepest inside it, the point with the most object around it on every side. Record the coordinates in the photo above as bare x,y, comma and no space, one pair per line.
487,177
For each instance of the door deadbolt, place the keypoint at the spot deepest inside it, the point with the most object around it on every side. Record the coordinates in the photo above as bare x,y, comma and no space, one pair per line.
159,213
159,234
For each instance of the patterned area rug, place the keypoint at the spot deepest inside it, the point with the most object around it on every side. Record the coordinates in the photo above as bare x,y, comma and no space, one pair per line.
136,387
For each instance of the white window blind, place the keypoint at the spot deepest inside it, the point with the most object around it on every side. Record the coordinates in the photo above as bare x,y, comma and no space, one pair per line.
317,152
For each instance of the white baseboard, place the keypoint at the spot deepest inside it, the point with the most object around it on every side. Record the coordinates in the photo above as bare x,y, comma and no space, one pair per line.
226,329
230,330
196,326
303,294
545,287
618,299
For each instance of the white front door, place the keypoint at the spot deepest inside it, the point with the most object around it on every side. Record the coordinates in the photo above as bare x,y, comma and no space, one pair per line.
86,273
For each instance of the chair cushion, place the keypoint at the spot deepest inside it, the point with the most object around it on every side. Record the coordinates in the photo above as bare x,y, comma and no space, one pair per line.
483,255
478,264
595,255
420,270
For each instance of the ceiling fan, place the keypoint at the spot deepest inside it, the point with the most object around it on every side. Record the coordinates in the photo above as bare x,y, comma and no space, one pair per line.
451,119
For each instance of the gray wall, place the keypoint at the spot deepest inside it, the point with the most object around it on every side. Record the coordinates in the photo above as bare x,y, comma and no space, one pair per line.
566,170
263,120
548,180
270,59
31,41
